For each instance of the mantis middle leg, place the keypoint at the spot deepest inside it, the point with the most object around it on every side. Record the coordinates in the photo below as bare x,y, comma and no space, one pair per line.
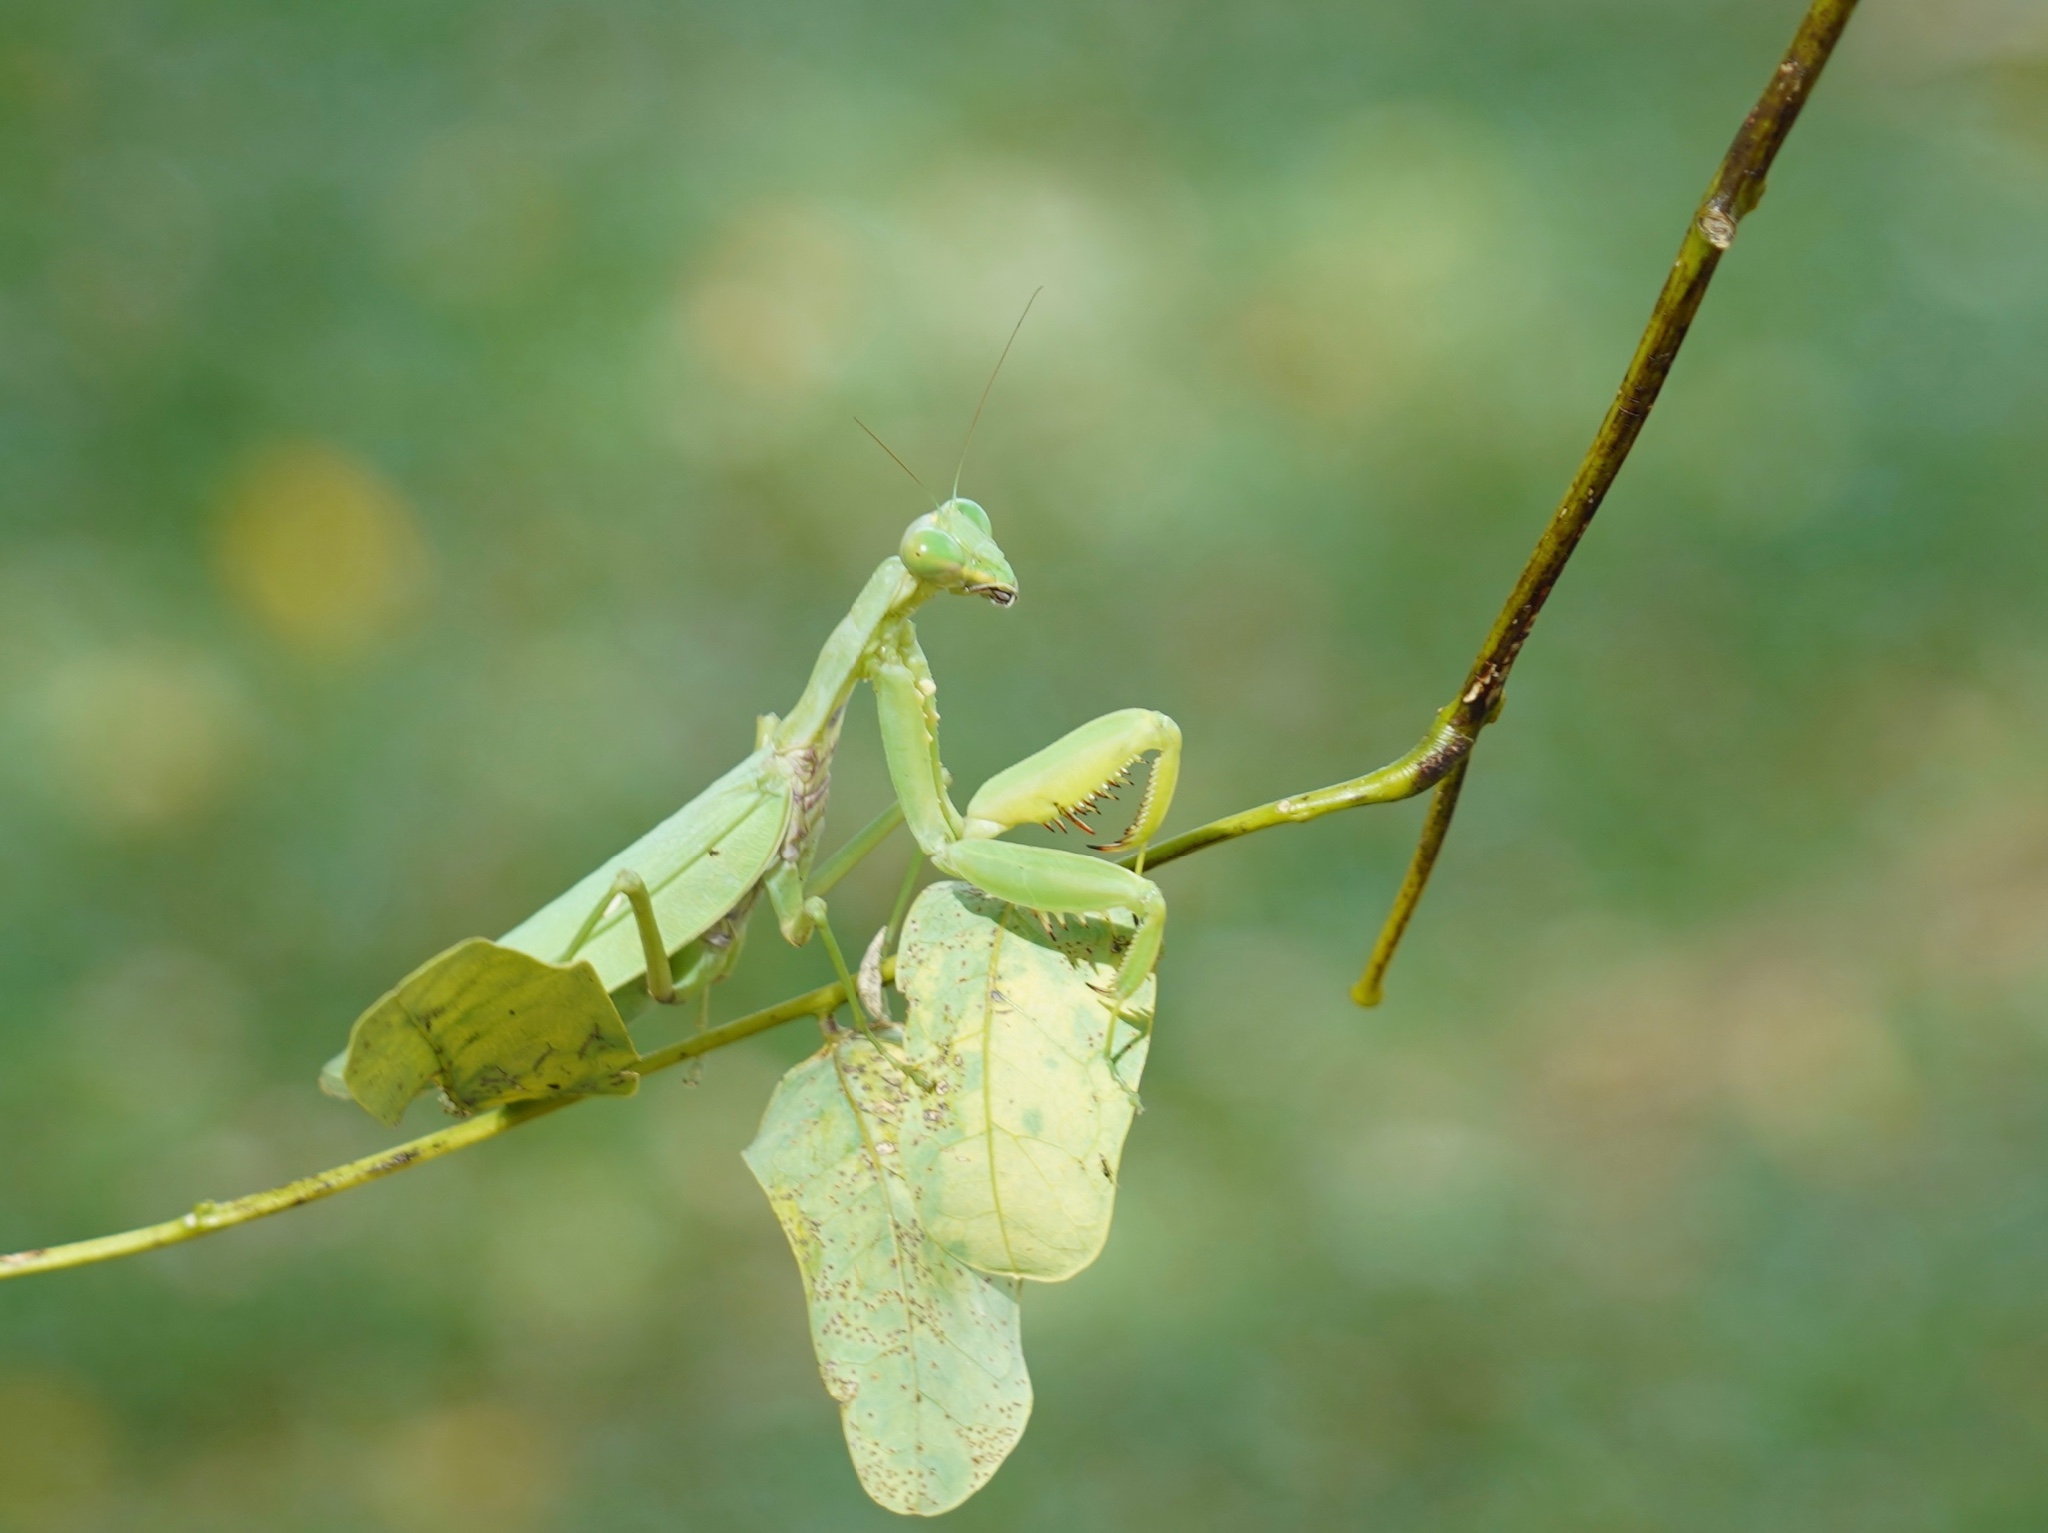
702,962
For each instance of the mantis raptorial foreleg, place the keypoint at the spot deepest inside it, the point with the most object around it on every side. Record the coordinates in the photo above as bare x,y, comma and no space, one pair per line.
1053,786
821,922
1060,783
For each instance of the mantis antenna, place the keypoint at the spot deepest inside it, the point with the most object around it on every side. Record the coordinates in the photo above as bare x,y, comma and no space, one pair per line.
892,456
985,388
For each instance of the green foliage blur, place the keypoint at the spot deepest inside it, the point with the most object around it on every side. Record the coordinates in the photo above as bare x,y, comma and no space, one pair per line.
426,442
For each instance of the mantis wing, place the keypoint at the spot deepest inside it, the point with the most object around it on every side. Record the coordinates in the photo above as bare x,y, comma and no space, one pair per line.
1014,1156
489,1025
510,1021
697,864
922,1353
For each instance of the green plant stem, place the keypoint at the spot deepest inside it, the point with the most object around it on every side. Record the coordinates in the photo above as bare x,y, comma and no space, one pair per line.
210,1218
1737,187
1437,760
1420,769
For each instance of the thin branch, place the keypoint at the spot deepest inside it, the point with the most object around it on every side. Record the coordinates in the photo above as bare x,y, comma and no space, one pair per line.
1417,772
1367,992
210,1218
1410,775
1737,187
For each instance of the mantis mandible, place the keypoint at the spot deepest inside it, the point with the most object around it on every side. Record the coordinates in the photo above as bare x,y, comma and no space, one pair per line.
537,1013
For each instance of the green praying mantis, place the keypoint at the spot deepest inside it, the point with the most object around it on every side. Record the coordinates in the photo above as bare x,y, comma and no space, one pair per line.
537,1013
921,1171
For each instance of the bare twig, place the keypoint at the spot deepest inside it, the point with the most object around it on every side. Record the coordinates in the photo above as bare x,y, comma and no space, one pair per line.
1738,186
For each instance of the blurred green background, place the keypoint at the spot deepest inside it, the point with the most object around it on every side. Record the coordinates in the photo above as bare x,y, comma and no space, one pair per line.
426,441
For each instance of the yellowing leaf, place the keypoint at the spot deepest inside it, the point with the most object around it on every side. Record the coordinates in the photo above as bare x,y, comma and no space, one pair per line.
1014,1154
489,1025
922,1353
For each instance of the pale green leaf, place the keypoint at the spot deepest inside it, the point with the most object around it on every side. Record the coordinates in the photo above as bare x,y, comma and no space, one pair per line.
1014,1155
922,1353
488,1025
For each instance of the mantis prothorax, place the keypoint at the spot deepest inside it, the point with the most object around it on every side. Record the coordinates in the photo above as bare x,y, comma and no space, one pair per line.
536,1013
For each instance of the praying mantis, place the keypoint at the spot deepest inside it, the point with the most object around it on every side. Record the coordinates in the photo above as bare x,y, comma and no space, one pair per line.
537,1013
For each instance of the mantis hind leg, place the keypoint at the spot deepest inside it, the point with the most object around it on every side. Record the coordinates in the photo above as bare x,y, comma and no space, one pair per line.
820,921
697,966
703,963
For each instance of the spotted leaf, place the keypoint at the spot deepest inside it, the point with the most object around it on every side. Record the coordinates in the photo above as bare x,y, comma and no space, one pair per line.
1014,1155
922,1353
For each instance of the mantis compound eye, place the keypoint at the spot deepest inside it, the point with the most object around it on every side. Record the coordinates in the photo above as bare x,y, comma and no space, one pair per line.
972,512
933,556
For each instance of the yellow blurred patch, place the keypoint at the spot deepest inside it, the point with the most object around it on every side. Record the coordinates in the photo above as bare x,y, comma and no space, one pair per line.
138,740
771,314
1393,269
1616,1102
56,1455
468,1469
320,549
1817,1076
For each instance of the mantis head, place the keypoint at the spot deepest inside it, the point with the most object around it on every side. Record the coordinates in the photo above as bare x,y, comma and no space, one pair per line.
951,548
